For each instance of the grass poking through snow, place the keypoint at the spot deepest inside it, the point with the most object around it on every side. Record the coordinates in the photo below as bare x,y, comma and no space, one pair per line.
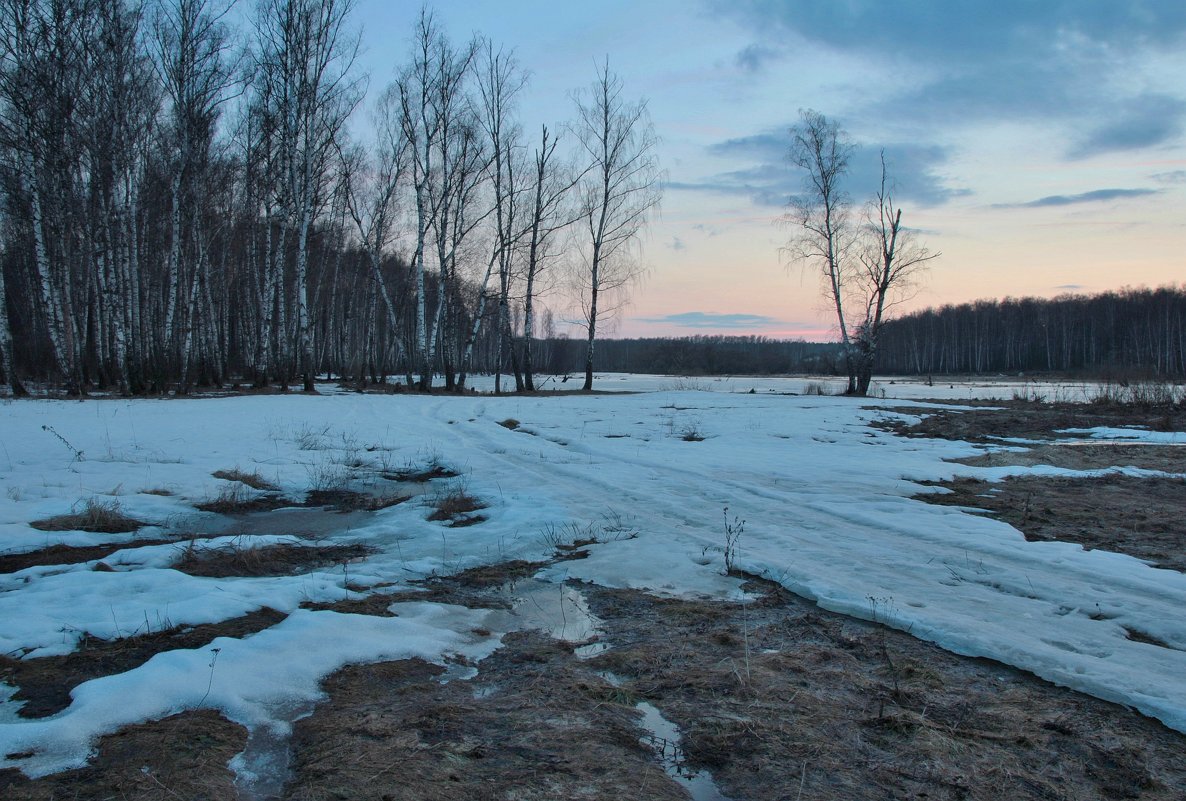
101,517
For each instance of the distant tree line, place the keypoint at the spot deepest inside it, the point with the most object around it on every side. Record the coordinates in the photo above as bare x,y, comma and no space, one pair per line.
183,203
1137,330
704,355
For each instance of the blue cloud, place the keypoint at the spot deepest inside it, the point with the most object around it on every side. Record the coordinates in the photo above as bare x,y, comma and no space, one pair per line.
698,319
772,180
755,57
1143,121
1062,61
1094,196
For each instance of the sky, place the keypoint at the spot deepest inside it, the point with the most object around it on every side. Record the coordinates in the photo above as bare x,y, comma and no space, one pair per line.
1040,147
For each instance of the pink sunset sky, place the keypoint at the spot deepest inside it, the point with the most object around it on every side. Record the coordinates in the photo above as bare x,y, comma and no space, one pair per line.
1039,146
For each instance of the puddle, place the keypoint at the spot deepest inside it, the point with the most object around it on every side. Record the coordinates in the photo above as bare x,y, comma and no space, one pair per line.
265,764
296,521
665,740
558,609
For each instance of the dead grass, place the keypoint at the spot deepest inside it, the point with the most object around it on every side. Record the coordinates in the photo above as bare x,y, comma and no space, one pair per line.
345,500
101,517
510,423
1142,517
281,559
236,499
45,682
543,727
65,555
179,757
841,709
1029,420
779,699
253,480
419,475
455,505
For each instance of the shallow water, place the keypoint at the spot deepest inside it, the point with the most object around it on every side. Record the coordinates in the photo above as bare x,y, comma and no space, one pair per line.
665,740
557,609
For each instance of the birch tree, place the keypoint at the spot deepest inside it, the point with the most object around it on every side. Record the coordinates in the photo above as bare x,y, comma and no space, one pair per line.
430,88
372,186
7,363
306,54
617,194
191,54
890,258
42,67
549,212
499,84
821,215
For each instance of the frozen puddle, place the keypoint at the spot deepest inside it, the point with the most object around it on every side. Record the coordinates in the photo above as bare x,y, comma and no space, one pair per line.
665,740
298,521
558,609
265,764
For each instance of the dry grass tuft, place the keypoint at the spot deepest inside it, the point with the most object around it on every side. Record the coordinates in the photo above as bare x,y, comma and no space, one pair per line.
100,517
238,498
455,505
281,559
253,480
345,500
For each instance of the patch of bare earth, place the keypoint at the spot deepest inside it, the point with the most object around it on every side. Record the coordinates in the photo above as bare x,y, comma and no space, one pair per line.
1141,517
534,724
44,683
1030,420
780,700
184,756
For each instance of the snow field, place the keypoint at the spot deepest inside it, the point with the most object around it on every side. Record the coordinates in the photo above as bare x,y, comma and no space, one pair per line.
826,500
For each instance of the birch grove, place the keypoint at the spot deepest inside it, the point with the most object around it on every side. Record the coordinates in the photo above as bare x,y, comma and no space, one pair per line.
187,203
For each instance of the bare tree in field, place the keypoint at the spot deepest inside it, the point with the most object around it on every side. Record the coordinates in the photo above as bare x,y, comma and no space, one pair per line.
305,57
617,194
890,258
821,215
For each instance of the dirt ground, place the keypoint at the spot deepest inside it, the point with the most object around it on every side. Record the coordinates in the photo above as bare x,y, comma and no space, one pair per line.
774,700
1143,517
